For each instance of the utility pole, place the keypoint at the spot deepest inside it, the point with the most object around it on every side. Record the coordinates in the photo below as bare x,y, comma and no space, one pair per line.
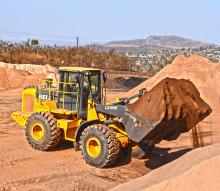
129,67
77,45
77,42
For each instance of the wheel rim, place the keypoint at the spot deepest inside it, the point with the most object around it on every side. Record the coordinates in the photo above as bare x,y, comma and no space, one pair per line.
37,131
93,147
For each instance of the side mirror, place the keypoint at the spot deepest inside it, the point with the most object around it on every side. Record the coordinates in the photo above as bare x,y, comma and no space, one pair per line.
104,76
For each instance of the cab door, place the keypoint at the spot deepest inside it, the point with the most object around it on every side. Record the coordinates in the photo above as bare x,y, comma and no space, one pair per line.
90,89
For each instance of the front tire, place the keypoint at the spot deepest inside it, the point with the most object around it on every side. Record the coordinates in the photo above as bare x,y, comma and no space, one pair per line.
42,132
99,145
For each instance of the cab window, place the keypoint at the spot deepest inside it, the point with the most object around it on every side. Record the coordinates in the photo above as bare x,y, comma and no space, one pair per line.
69,81
91,85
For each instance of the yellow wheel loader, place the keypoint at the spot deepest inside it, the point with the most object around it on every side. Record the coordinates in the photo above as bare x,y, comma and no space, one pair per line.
74,109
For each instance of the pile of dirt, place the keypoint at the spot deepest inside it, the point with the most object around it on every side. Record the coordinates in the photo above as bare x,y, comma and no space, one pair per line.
170,108
123,81
201,71
130,82
133,82
196,170
12,78
205,75
30,68
3,79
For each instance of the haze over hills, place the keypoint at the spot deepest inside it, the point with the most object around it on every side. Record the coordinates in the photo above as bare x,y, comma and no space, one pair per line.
153,43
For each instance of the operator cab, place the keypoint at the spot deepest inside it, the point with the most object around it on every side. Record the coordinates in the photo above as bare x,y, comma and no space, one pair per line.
76,86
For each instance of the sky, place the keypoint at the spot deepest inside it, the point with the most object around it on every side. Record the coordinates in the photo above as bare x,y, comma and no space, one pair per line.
95,21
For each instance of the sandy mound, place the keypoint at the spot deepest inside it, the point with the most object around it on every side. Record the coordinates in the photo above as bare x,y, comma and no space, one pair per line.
202,72
204,176
206,76
22,75
196,170
170,108
4,83
12,78
30,68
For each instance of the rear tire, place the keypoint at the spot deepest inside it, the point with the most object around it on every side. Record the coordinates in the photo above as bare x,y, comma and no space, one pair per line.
42,132
99,145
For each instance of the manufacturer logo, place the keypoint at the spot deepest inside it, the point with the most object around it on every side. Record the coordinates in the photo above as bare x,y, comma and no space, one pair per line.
43,96
108,107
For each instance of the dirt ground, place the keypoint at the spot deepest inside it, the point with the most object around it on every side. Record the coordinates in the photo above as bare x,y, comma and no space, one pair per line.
23,168
196,170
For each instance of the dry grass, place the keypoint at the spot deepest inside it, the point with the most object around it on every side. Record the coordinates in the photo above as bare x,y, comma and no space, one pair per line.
56,56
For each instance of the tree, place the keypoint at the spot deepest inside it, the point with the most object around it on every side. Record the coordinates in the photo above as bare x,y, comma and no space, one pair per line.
34,42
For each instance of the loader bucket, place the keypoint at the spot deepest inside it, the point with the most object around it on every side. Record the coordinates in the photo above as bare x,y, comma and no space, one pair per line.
136,126
170,108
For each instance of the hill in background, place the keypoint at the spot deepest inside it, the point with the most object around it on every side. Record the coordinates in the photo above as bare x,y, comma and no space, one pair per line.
153,43
142,55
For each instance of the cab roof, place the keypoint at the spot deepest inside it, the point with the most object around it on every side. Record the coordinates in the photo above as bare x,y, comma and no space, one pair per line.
78,69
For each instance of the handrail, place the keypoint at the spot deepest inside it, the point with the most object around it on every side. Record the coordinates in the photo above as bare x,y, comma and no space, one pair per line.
46,84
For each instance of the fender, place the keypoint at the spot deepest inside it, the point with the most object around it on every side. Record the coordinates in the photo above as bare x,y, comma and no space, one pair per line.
81,128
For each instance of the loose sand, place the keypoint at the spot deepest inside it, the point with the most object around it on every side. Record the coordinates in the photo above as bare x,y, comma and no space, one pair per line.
12,78
170,108
201,71
4,83
196,170
205,75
